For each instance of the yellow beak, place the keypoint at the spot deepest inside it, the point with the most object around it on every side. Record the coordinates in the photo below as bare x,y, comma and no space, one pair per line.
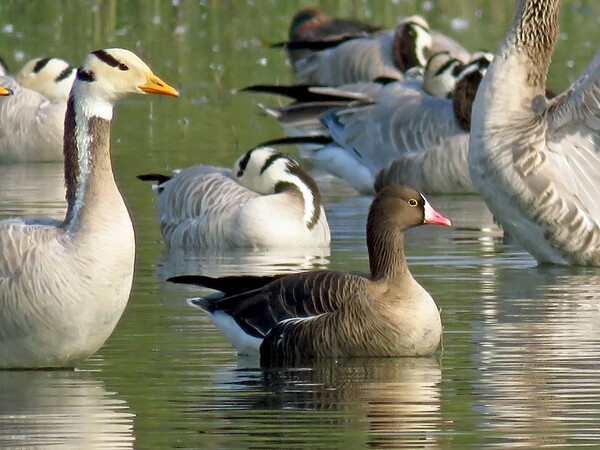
155,85
5,91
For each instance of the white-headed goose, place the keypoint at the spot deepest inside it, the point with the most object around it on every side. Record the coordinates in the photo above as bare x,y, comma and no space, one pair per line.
266,201
64,285
327,313
535,162
32,119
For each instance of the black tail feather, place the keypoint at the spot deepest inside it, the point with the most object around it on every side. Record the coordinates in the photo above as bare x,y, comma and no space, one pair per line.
290,140
160,178
230,285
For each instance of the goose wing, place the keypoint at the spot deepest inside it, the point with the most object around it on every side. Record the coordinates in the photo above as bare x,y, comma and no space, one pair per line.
198,207
403,119
573,144
299,296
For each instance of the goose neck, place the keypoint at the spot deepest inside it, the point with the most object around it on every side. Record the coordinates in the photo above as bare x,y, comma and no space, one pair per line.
385,243
88,170
534,33
300,183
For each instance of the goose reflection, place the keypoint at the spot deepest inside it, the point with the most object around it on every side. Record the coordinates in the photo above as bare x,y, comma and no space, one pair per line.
390,402
538,353
32,190
216,263
61,408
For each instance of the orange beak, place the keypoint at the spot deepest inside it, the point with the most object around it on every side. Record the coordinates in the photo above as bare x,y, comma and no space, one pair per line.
155,85
5,91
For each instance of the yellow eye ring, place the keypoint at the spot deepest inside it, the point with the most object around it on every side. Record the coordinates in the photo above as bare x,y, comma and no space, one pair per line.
413,202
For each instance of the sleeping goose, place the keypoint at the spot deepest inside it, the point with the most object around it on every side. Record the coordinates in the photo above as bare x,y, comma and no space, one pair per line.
408,135
311,24
535,162
32,119
326,313
64,285
386,54
266,201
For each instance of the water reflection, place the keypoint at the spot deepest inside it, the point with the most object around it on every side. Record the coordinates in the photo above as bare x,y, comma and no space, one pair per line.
538,356
32,190
61,408
392,403
217,263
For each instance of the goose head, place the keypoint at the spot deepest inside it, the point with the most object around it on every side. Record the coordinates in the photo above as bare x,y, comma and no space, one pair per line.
51,77
441,73
467,85
394,210
267,171
410,43
107,75
402,207
305,20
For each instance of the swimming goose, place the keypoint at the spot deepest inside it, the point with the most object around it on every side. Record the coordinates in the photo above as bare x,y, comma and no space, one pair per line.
64,285
534,161
32,119
266,201
385,54
408,135
327,313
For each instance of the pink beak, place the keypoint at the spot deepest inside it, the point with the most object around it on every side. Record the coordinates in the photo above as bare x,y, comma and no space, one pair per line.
434,217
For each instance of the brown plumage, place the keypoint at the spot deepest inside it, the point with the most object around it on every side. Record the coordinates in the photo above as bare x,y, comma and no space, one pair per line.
327,313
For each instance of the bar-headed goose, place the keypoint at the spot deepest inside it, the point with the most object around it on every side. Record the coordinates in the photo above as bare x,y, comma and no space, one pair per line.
328,313
266,201
32,120
535,162
64,285
407,134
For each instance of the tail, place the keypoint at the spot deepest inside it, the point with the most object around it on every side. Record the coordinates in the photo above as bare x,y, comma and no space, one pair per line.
158,177
319,45
308,93
230,285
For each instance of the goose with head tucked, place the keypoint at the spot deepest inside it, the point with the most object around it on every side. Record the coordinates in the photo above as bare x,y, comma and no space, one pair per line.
535,161
267,201
311,24
387,54
404,136
64,285
329,314
32,119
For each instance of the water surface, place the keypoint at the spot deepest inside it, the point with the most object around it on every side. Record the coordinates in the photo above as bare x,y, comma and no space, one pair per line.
521,350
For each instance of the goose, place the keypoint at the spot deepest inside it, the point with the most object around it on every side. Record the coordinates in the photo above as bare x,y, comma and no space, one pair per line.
535,161
326,313
386,54
441,74
404,136
266,201
64,285
313,24
32,119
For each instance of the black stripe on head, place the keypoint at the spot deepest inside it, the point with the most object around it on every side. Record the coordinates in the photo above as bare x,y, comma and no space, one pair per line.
445,67
40,64
86,75
271,159
103,56
65,74
244,162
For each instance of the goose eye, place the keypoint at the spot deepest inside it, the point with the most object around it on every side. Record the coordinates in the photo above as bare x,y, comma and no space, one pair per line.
413,202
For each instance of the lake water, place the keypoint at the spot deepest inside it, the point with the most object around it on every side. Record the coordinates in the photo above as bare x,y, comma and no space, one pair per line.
521,350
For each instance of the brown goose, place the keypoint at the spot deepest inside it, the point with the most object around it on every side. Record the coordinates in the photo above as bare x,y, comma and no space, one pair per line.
535,161
327,313
64,285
